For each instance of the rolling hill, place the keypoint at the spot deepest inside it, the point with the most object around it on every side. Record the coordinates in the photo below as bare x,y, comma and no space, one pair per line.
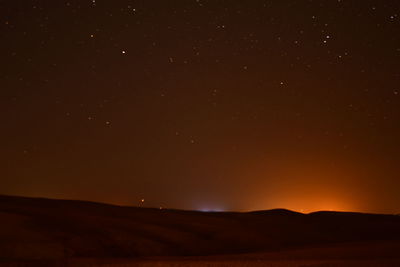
35,228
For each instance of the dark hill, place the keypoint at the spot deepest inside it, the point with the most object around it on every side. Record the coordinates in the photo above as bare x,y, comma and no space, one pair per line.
34,228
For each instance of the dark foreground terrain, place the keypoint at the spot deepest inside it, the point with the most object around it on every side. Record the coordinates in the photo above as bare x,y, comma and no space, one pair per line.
45,232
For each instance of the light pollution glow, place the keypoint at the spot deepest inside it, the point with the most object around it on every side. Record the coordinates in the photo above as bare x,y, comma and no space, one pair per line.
307,185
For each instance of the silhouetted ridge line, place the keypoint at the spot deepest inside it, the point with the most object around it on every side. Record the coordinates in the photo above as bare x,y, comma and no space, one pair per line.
276,212
45,228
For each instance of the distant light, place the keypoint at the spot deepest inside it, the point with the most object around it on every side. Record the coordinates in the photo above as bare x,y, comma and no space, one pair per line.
207,209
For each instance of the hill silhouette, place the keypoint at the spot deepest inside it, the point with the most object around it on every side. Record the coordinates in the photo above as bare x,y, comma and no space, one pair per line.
36,228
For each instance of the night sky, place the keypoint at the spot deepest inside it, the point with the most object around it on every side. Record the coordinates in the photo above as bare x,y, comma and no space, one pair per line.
206,105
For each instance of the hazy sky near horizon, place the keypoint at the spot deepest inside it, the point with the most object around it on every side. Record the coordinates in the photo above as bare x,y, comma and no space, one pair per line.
209,105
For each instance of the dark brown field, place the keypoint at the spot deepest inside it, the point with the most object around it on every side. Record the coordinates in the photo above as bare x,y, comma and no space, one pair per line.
45,232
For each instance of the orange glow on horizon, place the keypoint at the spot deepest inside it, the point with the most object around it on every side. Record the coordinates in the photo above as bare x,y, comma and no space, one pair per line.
308,185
